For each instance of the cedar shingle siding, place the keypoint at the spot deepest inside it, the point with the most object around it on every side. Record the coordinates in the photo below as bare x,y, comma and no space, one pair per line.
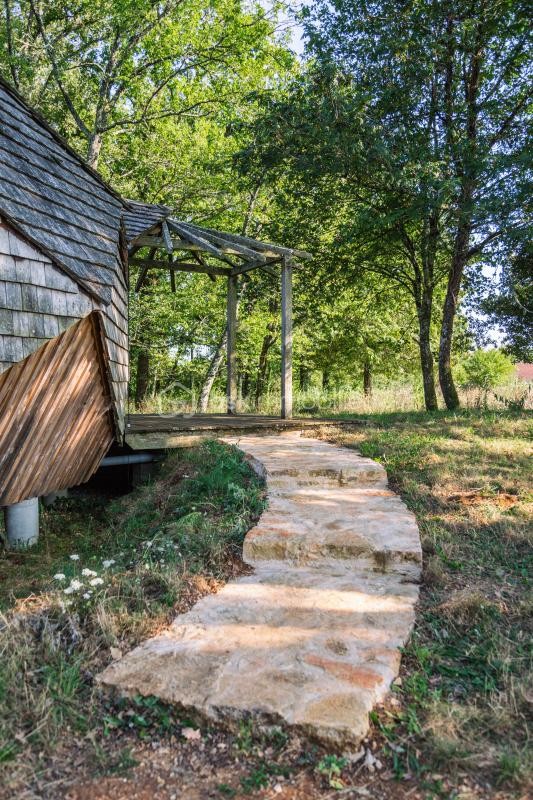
59,244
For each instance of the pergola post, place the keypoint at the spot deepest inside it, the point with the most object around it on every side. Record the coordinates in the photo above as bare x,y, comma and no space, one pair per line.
231,384
286,338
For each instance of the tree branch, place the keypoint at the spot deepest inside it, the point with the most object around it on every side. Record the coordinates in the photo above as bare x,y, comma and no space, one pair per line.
55,72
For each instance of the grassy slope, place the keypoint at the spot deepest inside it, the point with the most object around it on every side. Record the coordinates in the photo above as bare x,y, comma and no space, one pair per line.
465,692
455,727
169,542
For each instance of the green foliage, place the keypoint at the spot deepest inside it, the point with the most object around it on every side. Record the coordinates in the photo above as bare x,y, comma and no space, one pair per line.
405,143
147,716
50,653
510,306
331,767
485,369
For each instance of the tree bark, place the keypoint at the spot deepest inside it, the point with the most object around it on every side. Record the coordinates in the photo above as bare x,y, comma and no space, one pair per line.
212,372
447,384
426,354
467,172
93,149
367,378
143,377
268,341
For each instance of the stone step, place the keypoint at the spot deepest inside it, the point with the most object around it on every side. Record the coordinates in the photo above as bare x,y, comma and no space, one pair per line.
306,461
309,523
312,638
327,476
313,648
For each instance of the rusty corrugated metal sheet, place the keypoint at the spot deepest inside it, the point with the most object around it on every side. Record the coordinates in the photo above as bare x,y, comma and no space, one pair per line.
56,420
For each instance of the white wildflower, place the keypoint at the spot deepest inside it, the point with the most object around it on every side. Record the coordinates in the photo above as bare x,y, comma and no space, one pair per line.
74,557
75,585
88,572
87,595
108,562
59,576
68,590
96,582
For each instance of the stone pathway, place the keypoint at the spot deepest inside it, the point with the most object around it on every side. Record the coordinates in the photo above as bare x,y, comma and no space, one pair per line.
312,638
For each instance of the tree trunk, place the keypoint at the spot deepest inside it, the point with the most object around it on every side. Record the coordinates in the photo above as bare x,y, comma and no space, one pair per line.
93,149
212,372
367,378
455,276
268,341
447,384
426,355
143,376
304,379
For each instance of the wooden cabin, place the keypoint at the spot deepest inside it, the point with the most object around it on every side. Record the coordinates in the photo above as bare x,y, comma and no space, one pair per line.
65,241
63,309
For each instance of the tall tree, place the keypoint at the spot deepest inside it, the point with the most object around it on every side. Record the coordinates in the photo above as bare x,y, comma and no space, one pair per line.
102,67
413,117
446,90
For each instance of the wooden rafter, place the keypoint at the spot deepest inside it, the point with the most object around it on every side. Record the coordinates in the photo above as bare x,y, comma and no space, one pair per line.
249,265
166,237
177,266
195,239
263,247
145,266
226,246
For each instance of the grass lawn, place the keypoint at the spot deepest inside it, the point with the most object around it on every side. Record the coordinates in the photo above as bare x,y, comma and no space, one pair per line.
462,710
456,725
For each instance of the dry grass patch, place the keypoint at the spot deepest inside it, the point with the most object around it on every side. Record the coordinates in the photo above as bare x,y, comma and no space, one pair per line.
465,692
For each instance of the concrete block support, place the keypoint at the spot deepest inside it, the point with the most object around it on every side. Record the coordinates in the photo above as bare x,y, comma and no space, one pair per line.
22,524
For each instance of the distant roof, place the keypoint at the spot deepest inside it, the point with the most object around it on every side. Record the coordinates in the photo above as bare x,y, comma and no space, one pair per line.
524,371
55,199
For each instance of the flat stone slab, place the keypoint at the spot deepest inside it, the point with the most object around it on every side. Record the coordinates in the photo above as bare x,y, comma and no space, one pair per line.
312,638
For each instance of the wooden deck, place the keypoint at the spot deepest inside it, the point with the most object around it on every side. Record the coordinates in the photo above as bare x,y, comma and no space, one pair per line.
163,431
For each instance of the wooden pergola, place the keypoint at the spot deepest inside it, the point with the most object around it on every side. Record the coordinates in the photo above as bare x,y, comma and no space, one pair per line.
179,246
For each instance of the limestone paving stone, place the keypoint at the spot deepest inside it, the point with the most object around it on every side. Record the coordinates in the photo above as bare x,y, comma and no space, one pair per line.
312,638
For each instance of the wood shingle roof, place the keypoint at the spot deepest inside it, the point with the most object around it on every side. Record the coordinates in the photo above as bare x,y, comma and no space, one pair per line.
57,201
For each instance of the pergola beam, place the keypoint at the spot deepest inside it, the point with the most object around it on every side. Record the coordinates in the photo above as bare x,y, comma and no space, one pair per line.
225,245
166,237
263,247
256,265
178,266
143,272
202,243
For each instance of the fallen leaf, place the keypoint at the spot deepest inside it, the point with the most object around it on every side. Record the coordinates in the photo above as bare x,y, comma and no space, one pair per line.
372,763
191,734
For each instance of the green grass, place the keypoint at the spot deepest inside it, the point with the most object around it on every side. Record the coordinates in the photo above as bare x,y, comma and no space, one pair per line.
139,561
464,700
459,716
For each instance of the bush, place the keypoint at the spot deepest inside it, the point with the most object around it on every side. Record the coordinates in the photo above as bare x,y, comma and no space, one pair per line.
485,369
